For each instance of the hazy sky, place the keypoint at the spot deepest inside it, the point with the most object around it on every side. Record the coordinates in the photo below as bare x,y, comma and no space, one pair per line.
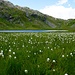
64,9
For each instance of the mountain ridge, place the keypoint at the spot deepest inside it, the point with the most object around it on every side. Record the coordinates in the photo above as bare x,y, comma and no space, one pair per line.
16,17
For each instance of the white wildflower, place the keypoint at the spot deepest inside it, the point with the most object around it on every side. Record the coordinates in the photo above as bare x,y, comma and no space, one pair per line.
38,66
66,74
48,59
15,57
34,53
22,45
54,61
9,50
1,51
67,55
14,43
14,53
29,51
63,56
28,56
48,47
10,56
51,49
40,51
26,71
71,54
53,69
2,56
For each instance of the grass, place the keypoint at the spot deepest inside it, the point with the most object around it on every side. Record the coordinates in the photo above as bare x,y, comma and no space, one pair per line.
37,53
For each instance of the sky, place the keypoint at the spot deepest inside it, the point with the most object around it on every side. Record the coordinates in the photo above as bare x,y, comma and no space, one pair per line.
64,9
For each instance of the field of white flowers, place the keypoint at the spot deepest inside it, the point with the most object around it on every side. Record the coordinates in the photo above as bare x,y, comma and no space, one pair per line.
37,53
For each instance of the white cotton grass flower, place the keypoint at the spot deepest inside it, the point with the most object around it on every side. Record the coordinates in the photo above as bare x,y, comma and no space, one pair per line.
48,59
54,61
14,43
9,50
67,55
44,47
34,53
63,56
29,51
40,51
28,56
10,56
2,56
54,70
31,38
48,47
15,57
38,66
1,51
65,74
71,54
54,47
63,48
6,40
51,49
14,53
26,71
9,45
22,45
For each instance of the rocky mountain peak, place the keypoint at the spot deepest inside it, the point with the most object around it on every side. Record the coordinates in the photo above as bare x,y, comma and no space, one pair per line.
1,0
6,3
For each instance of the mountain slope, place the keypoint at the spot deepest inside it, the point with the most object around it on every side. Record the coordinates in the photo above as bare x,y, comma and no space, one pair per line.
16,17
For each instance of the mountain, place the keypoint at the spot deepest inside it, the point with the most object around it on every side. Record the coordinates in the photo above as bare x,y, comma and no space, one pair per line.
16,17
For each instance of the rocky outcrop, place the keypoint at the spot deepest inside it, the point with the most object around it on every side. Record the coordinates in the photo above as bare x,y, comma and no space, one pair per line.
9,4
73,26
1,1
6,3
50,24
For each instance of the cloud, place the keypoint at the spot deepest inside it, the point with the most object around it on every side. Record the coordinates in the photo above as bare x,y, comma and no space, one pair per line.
59,11
60,2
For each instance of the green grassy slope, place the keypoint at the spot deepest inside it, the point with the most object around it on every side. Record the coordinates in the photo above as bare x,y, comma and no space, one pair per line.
13,18
16,17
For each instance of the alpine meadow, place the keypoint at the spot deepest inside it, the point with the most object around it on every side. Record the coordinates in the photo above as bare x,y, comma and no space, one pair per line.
34,43
37,53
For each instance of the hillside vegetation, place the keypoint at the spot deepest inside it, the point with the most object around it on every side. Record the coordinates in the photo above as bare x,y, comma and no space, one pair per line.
16,17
